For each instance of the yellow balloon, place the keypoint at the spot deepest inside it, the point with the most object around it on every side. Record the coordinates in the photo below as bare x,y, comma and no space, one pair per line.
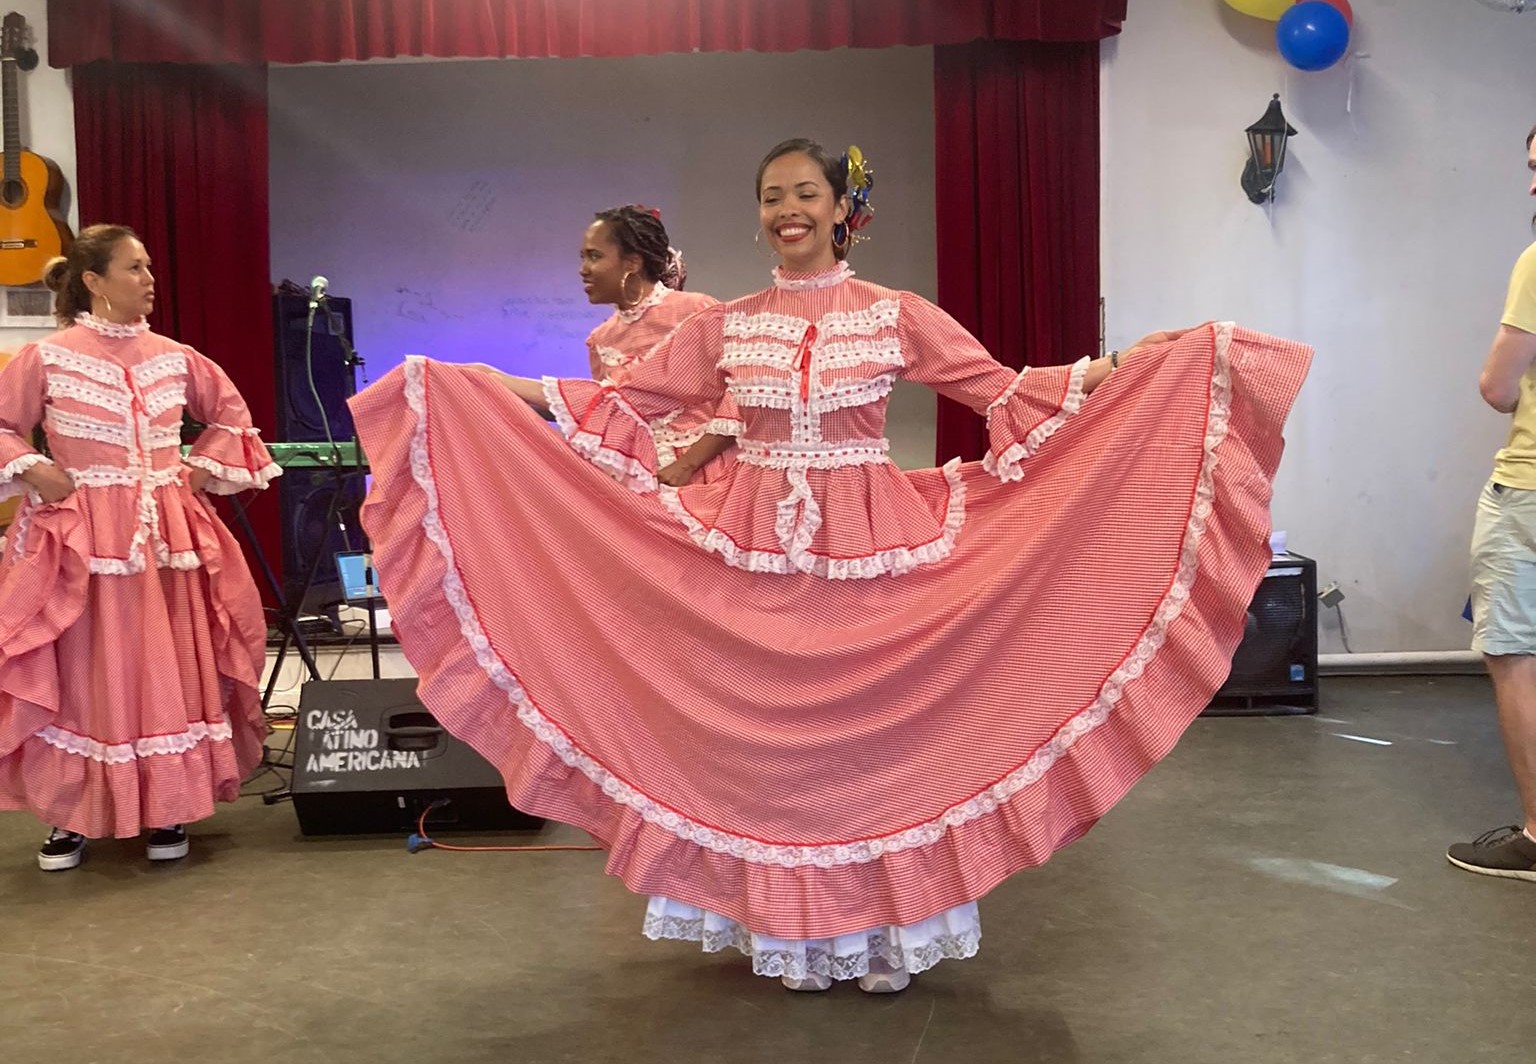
1270,10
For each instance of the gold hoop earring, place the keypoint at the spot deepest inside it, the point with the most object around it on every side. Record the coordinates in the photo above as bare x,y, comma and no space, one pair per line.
757,242
109,304
624,291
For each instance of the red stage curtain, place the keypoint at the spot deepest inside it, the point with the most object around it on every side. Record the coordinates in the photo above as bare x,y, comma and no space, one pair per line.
295,31
179,153
1017,191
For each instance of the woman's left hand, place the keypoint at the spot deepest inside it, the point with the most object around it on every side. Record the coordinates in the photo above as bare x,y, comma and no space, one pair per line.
677,474
197,478
1165,336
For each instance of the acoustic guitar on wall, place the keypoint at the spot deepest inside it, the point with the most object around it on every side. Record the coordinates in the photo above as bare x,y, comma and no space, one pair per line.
32,229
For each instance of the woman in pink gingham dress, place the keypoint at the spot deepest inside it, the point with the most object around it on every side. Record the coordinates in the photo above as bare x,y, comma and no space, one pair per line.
628,261
818,708
132,637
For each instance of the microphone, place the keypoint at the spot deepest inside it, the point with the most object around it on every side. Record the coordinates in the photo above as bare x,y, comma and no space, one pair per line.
317,290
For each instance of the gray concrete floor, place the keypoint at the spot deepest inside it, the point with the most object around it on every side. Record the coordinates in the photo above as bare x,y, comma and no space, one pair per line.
1272,892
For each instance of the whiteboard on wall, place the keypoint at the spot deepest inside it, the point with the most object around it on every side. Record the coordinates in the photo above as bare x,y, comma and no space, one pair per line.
448,199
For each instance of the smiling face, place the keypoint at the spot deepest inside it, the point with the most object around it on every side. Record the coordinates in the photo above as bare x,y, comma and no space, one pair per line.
126,285
798,210
603,266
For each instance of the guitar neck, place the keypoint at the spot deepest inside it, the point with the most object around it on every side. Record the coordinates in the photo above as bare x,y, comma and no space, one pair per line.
12,106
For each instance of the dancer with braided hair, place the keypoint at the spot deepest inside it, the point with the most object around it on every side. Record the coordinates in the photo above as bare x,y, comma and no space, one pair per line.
817,708
628,261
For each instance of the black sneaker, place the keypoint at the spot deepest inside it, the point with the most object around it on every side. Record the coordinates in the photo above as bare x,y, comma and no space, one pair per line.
168,844
62,851
1504,852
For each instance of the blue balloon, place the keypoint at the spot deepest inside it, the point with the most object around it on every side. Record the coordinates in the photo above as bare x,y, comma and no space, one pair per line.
1313,35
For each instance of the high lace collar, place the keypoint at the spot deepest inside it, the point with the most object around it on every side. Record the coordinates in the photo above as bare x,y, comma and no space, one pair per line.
112,328
636,312
800,282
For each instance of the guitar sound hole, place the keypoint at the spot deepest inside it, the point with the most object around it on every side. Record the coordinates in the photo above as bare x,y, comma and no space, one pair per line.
13,193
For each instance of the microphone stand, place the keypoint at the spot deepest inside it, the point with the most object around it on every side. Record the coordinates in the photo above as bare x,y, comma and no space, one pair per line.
352,360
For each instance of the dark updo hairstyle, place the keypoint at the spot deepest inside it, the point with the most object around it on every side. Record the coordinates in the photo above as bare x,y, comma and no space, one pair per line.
638,231
831,167
91,252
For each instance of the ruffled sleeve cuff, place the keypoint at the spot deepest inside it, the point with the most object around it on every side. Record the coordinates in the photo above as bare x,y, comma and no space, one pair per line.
1028,412
235,459
727,420
605,430
724,426
11,484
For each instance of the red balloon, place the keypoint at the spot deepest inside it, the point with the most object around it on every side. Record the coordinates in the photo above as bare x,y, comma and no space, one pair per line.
1344,9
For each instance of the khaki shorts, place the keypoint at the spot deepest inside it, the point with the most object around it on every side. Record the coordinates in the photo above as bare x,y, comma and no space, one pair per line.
1504,571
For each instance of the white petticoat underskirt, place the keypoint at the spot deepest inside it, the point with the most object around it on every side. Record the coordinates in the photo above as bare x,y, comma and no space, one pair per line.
954,934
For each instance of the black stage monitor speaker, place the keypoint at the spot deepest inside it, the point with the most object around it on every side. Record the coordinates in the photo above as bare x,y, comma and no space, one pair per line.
299,419
1275,668
305,494
368,759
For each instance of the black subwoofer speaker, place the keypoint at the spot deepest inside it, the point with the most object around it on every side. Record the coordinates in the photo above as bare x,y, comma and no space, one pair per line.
369,759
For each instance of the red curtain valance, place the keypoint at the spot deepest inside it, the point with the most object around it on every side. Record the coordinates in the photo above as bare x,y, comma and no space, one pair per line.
298,31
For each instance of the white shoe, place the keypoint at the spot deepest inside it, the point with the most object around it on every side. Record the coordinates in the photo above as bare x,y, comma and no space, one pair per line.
884,977
811,984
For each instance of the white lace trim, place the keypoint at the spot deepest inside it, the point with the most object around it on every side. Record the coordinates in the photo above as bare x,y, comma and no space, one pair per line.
126,753
11,484
631,472
235,430
723,426
787,455
112,328
845,354
763,394
1009,392
842,354
20,464
861,391
231,480
80,427
779,326
798,518
875,318
119,477
97,369
16,539
863,851
809,282
658,293
717,542
736,354
135,564
166,397
1008,465
878,316
612,357
157,369
951,935
160,436
114,400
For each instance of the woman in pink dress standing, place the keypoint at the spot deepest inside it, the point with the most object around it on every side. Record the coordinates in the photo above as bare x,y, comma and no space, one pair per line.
628,261
818,708
132,637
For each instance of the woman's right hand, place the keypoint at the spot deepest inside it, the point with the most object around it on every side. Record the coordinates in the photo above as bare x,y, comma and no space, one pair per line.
50,482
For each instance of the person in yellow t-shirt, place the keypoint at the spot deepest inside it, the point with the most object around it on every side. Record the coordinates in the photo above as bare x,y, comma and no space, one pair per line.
1504,568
